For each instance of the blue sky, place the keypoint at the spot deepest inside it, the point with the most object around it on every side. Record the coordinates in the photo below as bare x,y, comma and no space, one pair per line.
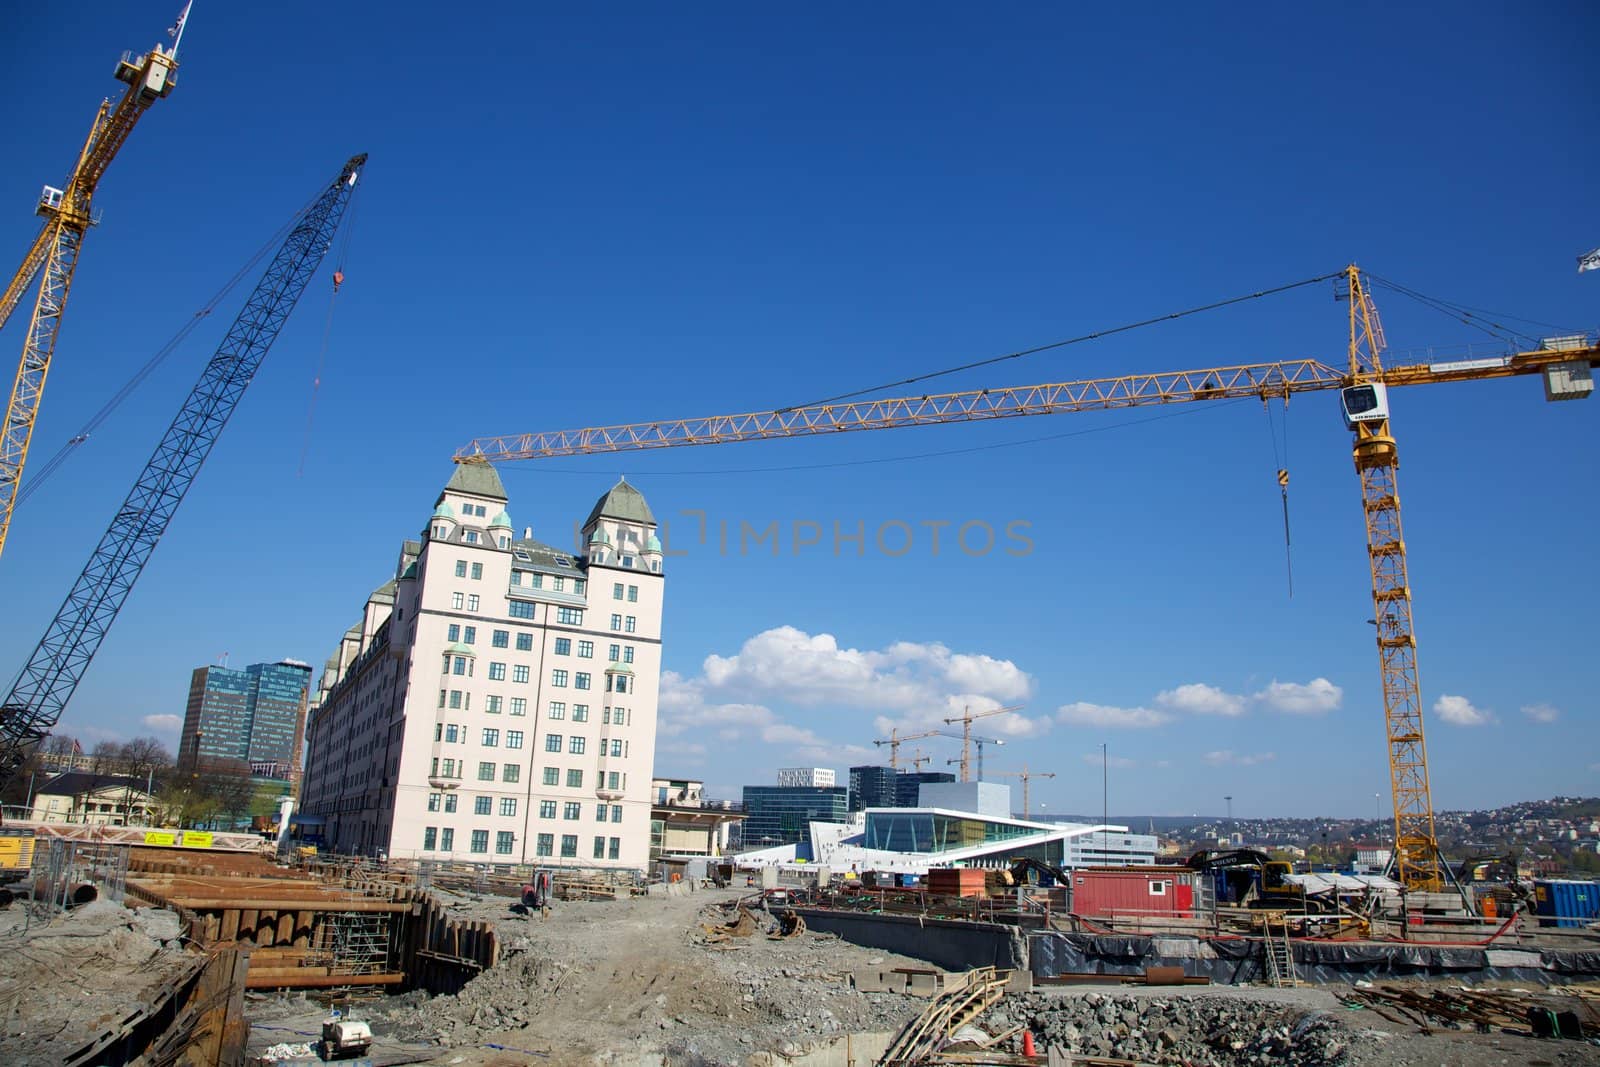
579,217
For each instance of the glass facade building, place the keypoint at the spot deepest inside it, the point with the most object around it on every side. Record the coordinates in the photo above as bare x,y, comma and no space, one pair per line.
254,716
886,787
780,815
916,830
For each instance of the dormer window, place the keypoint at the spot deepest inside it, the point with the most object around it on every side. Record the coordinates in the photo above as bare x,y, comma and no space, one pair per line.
655,566
627,561
440,532
472,537
505,542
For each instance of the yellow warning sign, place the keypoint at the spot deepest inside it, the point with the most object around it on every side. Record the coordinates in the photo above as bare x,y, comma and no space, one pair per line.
196,839
160,837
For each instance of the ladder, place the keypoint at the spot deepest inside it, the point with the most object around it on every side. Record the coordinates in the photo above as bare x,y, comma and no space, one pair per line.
1279,956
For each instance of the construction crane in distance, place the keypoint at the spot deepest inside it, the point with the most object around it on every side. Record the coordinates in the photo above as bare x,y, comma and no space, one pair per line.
966,738
919,759
47,680
1026,776
68,213
895,740
966,719
1566,364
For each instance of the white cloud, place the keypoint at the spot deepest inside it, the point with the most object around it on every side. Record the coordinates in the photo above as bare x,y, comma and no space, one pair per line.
1316,697
1226,757
1543,713
1085,714
167,724
1197,698
1094,759
1458,711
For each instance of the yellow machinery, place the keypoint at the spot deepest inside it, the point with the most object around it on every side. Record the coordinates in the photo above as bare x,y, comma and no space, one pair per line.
966,719
68,213
1565,363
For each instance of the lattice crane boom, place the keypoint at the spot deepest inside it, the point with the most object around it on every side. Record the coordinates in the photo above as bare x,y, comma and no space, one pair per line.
896,739
46,682
1026,776
68,213
1566,363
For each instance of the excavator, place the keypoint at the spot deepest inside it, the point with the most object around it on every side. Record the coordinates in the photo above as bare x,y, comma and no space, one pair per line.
1252,879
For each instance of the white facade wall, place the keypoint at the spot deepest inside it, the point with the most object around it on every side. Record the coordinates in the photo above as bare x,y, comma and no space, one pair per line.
807,777
487,749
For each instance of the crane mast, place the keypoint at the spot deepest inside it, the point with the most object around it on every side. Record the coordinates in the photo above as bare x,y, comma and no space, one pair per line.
68,213
46,682
966,719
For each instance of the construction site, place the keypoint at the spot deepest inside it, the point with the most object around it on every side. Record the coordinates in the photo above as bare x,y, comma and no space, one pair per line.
910,918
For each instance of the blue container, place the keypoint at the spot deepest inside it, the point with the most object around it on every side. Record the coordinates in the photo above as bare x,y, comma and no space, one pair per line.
1565,902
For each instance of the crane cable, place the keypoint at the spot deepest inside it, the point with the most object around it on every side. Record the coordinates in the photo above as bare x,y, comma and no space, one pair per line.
327,328
1469,315
1069,341
65,452
1280,456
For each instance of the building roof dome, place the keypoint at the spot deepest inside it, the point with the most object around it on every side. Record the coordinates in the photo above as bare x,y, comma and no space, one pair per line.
501,521
652,543
599,536
623,502
444,511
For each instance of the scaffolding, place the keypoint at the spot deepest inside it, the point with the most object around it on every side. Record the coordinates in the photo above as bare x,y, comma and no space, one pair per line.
353,942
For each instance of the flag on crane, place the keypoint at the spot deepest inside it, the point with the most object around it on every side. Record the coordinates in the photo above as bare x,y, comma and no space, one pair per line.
1589,261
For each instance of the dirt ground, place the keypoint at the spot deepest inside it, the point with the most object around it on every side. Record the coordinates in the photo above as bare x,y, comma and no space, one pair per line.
634,982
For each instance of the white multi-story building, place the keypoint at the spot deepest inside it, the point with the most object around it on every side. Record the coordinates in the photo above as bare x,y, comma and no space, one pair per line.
806,777
497,701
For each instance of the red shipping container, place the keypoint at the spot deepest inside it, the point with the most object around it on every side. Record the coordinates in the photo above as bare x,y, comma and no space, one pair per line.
1131,892
956,881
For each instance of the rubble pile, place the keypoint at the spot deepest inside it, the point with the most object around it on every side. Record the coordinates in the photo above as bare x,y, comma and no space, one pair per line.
1195,1030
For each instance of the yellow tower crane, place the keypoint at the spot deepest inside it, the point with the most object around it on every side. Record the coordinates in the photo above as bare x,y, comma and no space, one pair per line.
966,719
895,740
1566,363
68,213
1026,776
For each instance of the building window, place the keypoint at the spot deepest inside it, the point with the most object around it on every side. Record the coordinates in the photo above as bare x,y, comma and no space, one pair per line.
480,805
558,679
430,838
519,673
617,683
629,624
452,632
480,841
569,616
558,584
500,638
472,602
455,698
545,845
452,734
513,738
633,591
519,706
599,848
616,746
615,852
447,839
458,665
616,590
580,713
433,801
547,809
552,776
558,709
579,585
485,772
613,652
508,805
447,768
457,600
524,642
574,778
492,705
441,698
516,576
563,646
580,681
471,539
521,609
600,812
552,742
450,803
477,572
627,654
572,810
616,621
616,813
511,772
497,672
469,635
536,581
611,780
491,738
461,568
569,846
575,745
504,840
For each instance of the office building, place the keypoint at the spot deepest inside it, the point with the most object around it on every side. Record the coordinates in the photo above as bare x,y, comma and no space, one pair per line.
496,701
780,814
254,716
886,787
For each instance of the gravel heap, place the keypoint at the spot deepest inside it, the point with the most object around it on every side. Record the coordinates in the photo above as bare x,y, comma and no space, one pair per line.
1199,1031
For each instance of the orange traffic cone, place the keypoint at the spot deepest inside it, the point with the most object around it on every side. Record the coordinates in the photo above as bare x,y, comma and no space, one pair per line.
1027,1043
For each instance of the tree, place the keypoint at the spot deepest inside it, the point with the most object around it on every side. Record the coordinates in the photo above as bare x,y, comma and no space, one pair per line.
142,758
